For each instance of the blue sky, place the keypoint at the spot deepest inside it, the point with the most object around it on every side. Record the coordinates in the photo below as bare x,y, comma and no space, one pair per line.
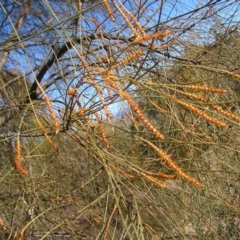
30,55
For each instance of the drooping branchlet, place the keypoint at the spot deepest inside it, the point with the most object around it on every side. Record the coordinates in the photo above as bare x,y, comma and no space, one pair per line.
108,9
141,115
202,114
18,158
171,163
102,130
204,88
53,145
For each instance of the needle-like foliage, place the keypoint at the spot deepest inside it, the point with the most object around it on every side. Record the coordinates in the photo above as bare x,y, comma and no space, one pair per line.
119,119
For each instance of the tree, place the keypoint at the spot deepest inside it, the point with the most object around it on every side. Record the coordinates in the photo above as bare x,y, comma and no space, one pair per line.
69,69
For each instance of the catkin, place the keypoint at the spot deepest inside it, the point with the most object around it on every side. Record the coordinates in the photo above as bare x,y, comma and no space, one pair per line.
127,175
206,89
169,161
53,145
160,34
49,104
109,81
140,28
72,92
109,10
127,21
141,115
18,158
153,180
157,35
102,131
225,113
235,75
195,96
161,175
82,112
52,114
104,104
2,224
203,115
128,59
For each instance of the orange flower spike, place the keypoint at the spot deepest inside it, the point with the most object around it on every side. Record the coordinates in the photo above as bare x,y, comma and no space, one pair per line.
125,17
161,175
18,158
128,59
169,161
109,10
127,175
202,114
195,96
160,34
225,113
52,114
235,75
46,136
157,35
103,135
109,81
82,113
101,128
206,89
153,180
72,92
130,15
141,115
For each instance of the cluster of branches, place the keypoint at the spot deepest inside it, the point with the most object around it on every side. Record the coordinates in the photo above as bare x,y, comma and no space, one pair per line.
89,77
